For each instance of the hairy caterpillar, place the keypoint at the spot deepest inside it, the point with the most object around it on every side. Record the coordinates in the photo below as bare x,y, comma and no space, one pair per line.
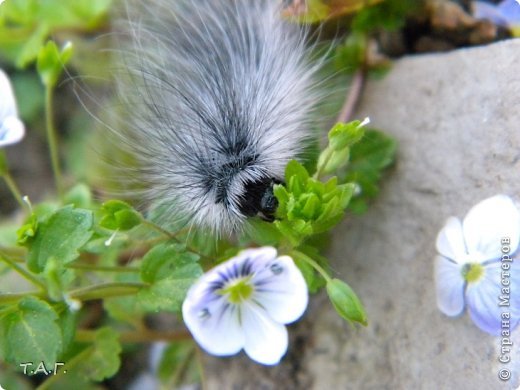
218,95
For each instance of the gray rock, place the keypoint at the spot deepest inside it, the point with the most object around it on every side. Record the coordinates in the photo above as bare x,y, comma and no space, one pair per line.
456,117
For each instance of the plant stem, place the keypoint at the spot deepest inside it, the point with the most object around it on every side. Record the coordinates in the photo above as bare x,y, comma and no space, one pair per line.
15,191
106,290
157,228
169,235
89,267
23,272
52,140
140,336
313,264
200,366
317,174
354,93
15,297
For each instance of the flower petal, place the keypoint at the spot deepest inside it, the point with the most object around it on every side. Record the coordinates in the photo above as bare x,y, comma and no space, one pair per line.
12,131
482,298
515,288
265,340
450,241
7,100
213,322
487,223
450,286
483,10
510,10
281,290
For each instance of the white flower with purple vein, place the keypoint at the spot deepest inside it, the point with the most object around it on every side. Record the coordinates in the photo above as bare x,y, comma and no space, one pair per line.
471,271
244,304
11,128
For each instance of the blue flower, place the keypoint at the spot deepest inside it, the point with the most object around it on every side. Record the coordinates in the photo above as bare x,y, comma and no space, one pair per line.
505,14
476,267
11,127
244,304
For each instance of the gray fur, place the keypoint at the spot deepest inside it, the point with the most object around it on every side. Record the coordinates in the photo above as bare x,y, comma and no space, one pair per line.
218,93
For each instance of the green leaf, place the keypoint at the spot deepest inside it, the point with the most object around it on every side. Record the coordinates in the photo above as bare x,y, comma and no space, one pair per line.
294,168
350,56
388,15
60,236
311,207
103,359
168,294
164,261
32,333
343,135
333,160
125,308
27,231
79,196
50,62
179,365
119,215
32,46
375,152
295,231
29,90
68,324
346,302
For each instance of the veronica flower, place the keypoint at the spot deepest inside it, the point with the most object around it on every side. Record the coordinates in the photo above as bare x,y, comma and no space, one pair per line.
244,304
11,127
505,13
476,267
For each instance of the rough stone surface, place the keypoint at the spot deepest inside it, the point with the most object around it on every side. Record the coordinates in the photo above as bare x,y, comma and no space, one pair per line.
456,117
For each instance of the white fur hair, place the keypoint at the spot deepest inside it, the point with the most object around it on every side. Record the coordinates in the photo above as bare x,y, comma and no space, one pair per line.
217,94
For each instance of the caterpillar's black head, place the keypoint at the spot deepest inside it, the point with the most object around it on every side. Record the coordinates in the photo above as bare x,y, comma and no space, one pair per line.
259,200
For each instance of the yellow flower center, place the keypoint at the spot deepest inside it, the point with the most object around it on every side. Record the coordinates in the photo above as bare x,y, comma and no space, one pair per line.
238,291
472,272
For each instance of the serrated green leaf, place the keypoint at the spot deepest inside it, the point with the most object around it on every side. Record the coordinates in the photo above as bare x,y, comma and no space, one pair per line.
103,359
346,302
164,260
32,333
60,237
168,294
